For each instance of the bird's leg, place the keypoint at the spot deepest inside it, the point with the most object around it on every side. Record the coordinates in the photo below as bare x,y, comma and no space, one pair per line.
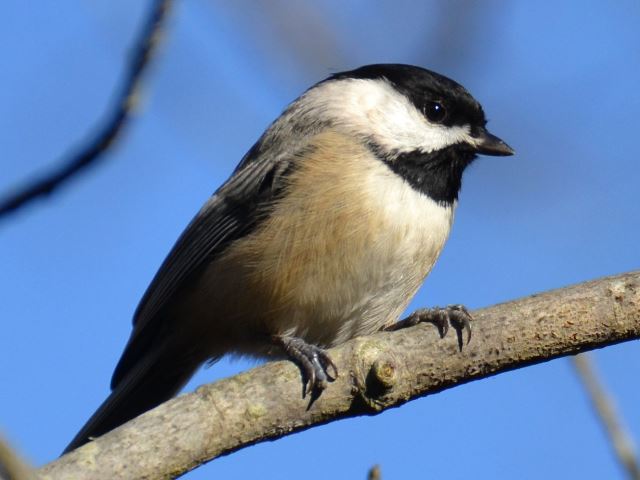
313,361
455,315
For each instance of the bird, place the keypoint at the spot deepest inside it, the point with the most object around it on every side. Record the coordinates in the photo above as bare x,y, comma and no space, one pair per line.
323,232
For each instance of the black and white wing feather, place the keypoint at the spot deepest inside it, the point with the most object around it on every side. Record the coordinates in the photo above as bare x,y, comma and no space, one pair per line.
231,213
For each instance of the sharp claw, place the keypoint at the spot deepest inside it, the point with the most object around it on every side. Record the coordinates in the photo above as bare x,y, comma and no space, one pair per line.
311,381
334,368
456,316
462,323
460,340
445,325
312,361
327,363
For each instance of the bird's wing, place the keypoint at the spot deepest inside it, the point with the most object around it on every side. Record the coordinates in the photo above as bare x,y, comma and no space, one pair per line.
231,213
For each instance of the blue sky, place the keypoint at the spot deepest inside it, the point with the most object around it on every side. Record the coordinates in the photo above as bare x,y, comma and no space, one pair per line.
559,82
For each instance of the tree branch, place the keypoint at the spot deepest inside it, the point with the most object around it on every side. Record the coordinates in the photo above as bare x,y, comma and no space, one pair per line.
604,409
143,53
377,372
12,467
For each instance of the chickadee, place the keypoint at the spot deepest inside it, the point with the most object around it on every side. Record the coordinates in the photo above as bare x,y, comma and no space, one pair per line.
324,232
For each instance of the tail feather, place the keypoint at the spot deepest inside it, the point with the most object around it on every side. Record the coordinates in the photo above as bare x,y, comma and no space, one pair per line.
150,382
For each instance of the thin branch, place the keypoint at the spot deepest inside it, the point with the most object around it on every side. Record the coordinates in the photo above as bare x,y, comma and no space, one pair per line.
374,473
113,128
12,467
377,372
620,441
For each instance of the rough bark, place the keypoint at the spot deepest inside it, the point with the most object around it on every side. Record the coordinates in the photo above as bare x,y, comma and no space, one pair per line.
377,372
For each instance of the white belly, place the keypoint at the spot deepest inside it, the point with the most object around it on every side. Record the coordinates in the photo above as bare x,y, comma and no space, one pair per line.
385,251
340,256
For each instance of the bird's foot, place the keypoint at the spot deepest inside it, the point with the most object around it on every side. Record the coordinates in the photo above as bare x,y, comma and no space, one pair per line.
313,361
455,315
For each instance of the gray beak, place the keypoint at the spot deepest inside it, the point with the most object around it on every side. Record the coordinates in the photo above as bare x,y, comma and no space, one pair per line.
489,144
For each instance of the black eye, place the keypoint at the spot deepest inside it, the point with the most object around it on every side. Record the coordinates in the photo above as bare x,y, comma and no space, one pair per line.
435,111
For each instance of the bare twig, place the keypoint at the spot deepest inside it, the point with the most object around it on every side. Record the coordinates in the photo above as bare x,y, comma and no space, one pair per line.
603,406
374,473
302,28
12,467
377,372
143,53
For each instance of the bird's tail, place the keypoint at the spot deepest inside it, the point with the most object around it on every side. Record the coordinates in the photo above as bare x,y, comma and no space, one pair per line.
150,382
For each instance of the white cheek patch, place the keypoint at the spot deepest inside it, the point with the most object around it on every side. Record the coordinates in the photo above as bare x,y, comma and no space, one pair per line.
375,109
